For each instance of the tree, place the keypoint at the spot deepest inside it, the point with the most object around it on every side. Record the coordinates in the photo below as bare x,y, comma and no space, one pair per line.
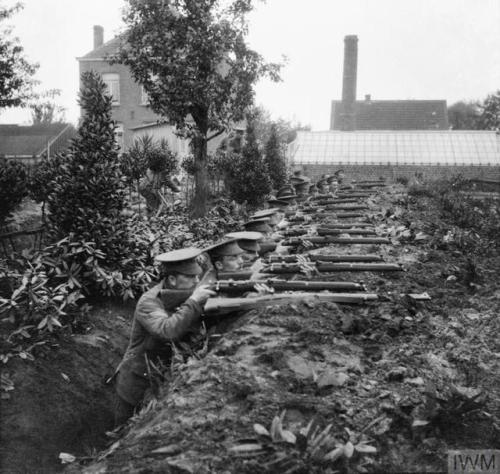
88,187
248,176
193,61
275,159
44,110
490,112
464,115
16,72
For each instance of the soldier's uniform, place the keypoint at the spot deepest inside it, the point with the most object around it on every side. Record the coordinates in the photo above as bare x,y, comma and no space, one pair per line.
158,321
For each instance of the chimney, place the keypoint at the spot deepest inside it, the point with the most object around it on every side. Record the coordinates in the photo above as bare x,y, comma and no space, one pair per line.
349,82
98,36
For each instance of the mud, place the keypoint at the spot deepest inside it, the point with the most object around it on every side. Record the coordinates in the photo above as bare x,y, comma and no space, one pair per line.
60,402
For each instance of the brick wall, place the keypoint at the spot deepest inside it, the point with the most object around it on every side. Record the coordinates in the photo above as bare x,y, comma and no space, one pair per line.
130,113
391,172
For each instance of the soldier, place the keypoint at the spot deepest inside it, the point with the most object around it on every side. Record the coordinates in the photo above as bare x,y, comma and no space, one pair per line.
158,321
333,184
339,174
150,187
249,243
226,256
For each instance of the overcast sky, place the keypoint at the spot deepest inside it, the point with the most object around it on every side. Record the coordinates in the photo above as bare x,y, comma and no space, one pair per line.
408,49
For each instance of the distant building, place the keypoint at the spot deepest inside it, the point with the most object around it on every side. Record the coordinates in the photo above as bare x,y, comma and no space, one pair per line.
393,153
350,114
129,100
130,105
27,144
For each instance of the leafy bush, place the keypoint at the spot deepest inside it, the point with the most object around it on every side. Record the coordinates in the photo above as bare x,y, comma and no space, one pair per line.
13,187
248,176
275,159
402,180
88,187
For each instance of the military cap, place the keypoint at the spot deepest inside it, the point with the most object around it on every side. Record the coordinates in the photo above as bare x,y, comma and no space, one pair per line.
265,213
286,187
338,172
321,182
226,247
331,179
258,225
247,240
299,178
302,185
181,261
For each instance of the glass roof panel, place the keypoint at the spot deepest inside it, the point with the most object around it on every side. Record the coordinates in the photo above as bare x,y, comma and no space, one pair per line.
397,147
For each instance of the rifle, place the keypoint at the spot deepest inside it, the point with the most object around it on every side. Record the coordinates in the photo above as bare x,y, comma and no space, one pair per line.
245,286
280,268
354,194
325,258
294,241
322,202
220,306
329,231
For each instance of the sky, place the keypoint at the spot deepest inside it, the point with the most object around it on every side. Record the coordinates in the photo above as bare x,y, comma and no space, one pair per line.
407,49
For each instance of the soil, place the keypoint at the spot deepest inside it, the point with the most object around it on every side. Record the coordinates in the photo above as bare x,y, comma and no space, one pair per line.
60,402
410,377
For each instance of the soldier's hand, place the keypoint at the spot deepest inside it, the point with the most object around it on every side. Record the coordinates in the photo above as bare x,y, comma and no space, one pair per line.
307,244
306,266
202,293
263,289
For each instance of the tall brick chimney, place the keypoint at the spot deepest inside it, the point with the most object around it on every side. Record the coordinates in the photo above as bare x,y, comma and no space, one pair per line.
98,36
349,82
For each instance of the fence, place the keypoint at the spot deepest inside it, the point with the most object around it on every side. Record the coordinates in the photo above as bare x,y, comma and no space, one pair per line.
14,241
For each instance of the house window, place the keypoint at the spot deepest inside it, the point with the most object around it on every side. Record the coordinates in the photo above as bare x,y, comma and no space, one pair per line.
112,82
144,96
119,136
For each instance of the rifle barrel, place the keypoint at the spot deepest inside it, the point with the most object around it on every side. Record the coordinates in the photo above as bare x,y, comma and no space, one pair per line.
240,287
336,240
326,258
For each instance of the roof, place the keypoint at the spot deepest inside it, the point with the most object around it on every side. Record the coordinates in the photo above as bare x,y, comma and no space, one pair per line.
394,115
409,147
110,47
22,140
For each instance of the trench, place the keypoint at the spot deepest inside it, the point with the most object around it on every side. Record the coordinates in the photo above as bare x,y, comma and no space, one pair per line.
61,403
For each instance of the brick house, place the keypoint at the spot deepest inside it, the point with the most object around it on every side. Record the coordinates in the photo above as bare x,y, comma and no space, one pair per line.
130,103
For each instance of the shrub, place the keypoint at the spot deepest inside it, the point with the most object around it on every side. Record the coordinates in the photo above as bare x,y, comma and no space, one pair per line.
88,187
248,174
275,159
13,187
402,180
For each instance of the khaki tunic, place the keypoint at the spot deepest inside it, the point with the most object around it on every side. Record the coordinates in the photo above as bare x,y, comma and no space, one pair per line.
157,322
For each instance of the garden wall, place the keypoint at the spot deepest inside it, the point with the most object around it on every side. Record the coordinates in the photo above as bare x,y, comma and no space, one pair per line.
391,172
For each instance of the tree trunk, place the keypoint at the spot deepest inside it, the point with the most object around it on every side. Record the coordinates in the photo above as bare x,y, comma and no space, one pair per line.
200,176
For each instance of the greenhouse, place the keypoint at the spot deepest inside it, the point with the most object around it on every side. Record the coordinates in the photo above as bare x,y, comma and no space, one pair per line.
396,148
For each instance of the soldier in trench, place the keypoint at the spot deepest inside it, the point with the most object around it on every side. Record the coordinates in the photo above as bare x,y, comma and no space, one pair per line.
159,320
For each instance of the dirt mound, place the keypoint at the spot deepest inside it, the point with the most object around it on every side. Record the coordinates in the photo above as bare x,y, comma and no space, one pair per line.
407,377
60,402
